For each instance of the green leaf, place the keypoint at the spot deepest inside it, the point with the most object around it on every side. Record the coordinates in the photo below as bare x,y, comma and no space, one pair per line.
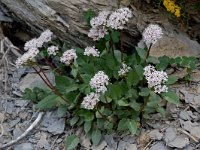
108,125
122,103
87,126
100,123
88,115
71,142
64,83
89,15
136,106
115,36
132,78
141,52
171,97
96,136
161,110
62,109
171,80
122,125
164,62
73,121
153,60
144,92
48,102
132,126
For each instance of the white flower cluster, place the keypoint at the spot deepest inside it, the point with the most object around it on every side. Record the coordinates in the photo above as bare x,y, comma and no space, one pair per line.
118,19
105,19
38,42
124,70
90,100
91,51
156,79
99,82
101,19
32,48
52,50
152,34
68,56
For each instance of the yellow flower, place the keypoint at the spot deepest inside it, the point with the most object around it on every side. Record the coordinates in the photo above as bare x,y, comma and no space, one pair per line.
172,7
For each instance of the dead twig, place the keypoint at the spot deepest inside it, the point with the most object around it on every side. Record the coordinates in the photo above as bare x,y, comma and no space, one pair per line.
188,134
30,128
147,145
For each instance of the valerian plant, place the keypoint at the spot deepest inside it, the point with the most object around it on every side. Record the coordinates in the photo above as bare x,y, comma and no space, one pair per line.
104,89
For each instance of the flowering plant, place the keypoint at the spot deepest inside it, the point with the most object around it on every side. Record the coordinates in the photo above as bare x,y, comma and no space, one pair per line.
104,87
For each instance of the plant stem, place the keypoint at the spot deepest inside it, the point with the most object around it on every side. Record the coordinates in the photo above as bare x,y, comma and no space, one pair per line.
148,52
48,83
111,43
121,47
103,116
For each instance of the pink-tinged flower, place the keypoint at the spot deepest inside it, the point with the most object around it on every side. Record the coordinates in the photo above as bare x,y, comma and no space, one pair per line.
90,101
152,34
52,50
99,82
68,57
118,19
100,19
124,70
97,33
156,79
91,51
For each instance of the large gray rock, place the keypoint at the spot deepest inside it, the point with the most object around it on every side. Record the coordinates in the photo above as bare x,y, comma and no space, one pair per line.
32,80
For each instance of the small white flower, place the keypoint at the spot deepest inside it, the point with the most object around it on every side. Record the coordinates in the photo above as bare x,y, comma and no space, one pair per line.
97,33
99,82
124,70
90,100
31,44
155,79
152,34
118,18
28,56
45,36
100,19
91,51
159,89
52,50
69,56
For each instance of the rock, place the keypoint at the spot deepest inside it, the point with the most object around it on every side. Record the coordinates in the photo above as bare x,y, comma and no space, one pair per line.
159,146
131,147
10,107
23,146
179,142
184,115
85,142
170,134
43,143
193,128
110,141
155,135
126,146
32,80
130,139
101,146
14,122
198,89
175,44
17,132
2,117
53,123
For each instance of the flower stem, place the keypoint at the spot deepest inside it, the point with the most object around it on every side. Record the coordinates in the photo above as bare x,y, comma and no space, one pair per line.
148,52
48,83
121,47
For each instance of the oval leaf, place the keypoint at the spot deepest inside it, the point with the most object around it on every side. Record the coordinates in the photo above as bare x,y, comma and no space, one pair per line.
96,136
71,142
